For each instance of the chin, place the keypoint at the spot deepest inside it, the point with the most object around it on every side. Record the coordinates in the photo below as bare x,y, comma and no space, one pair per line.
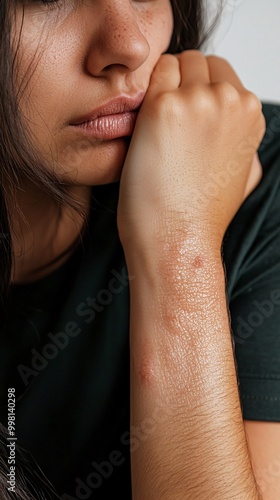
103,165
107,179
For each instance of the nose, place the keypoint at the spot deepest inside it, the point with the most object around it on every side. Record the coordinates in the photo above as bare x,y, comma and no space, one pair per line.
118,41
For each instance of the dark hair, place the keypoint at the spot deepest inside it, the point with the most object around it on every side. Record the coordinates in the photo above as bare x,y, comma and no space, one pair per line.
192,28
18,158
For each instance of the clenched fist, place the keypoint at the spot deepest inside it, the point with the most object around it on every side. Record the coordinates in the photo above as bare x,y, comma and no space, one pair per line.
192,158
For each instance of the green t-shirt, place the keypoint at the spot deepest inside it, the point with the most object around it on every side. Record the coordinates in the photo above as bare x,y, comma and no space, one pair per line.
65,349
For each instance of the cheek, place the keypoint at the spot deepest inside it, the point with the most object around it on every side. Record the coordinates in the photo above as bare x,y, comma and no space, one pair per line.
158,28
43,70
41,56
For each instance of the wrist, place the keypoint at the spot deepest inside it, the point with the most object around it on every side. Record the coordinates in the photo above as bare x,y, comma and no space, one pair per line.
174,250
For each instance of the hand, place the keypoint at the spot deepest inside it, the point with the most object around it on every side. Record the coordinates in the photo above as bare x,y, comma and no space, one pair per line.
192,151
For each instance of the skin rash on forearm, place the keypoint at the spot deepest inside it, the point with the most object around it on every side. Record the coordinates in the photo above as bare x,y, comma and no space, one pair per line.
184,393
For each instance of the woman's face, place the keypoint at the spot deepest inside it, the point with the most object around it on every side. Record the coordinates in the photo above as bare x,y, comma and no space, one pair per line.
88,64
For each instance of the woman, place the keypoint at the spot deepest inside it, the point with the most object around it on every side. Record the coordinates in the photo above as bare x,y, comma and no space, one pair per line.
89,98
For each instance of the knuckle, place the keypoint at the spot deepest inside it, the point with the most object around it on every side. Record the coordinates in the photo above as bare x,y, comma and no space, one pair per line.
167,105
253,104
164,101
202,99
227,94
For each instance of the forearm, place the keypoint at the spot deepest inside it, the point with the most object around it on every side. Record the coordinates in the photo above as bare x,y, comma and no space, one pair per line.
184,394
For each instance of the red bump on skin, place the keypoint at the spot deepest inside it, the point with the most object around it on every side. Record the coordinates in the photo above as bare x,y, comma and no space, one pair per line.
197,262
145,366
146,374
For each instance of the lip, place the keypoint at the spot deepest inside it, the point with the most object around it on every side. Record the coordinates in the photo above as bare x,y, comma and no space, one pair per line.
112,120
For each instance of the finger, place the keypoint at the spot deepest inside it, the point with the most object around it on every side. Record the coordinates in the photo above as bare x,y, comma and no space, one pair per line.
221,71
194,68
166,75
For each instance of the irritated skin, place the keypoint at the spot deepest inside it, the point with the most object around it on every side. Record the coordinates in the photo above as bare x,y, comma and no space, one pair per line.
184,395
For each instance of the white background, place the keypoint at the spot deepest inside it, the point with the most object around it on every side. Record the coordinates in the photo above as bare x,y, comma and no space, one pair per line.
248,36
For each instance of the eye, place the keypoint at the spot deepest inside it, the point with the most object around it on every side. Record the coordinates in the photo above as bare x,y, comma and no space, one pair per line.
47,5
44,2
